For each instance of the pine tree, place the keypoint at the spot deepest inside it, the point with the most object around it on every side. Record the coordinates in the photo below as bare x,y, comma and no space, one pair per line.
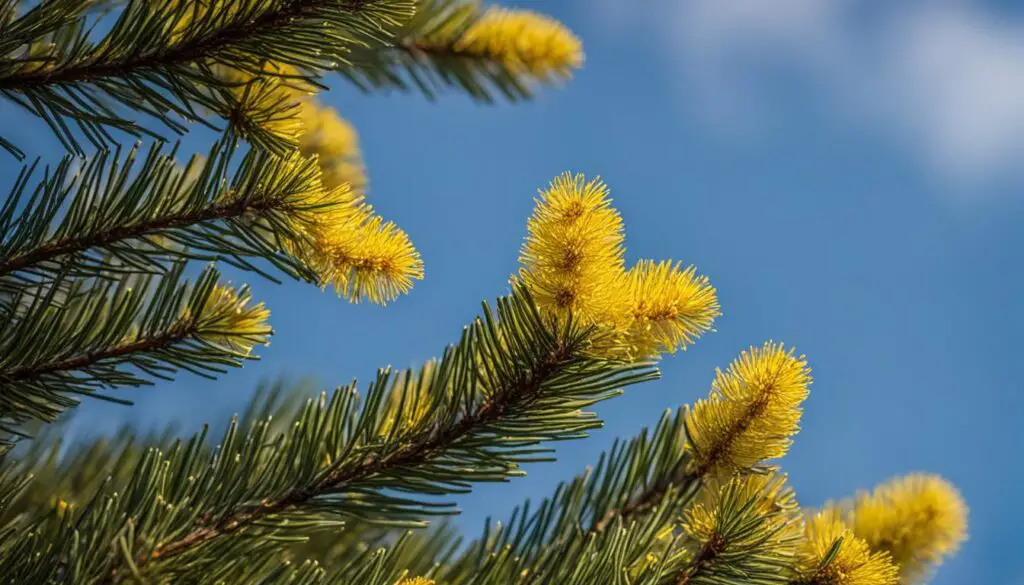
352,486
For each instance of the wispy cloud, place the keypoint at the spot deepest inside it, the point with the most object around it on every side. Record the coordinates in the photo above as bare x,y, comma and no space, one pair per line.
943,77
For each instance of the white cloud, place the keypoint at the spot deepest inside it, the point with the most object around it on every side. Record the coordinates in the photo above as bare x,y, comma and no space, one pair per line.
944,77
957,78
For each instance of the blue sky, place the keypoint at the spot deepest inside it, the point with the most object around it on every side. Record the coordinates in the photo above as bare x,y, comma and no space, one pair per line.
846,172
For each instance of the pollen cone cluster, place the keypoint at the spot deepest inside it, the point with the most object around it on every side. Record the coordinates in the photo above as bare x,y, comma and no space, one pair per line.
229,319
356,252
832,555
523,41
335,143
919,519
573,262
752,412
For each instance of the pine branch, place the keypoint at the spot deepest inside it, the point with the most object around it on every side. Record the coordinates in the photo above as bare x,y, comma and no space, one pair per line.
707,555
518,394
115,213
53,474
174,72
745,530
513,382
104,237
378,565
460,44
13,484
389,565
740,532
683,474
371,567
649,497
88,337
194,49
71,472
633,482
752,410
176,334
641,552
417,552
57,473
652,475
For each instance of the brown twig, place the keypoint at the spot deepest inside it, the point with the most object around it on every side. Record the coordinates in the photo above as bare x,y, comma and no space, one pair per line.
105,237
183,53
652,496
711,549
78,362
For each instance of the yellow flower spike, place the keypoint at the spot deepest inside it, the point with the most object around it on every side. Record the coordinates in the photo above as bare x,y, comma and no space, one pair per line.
374,261
229,320
319,212
671,306
358,253
416,581
522,40
270,105
852,564
334,142
752,411
919,519
572,260
271,100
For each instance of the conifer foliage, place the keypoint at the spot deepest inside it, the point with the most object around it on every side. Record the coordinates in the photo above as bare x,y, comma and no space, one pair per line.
109,279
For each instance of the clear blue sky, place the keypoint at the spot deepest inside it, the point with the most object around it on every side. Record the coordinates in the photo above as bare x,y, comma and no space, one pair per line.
848,175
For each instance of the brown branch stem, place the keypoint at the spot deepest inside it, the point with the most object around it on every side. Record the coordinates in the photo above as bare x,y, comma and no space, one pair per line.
178,333
118,233
645,500
708,553
180,54
652,496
